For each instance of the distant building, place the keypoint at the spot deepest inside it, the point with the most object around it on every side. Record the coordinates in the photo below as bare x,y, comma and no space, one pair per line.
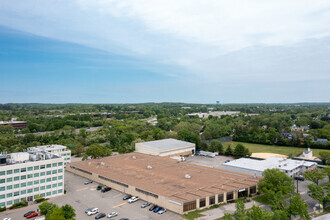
320,141
308,154
26,175
58,150
15,124
257,167
287,136
218,102
214,114
299,128
165,147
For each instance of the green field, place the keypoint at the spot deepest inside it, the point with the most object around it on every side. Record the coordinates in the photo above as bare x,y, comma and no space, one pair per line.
261,148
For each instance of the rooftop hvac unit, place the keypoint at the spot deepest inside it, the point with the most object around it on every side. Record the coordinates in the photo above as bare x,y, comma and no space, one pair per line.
285,164
149,167
133,157
187,176
102,163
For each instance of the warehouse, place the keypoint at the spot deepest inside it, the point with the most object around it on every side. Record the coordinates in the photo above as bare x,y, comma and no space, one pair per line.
256,167
165,147
179,187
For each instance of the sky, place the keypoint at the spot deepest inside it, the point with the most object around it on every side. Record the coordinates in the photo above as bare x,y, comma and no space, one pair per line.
133,51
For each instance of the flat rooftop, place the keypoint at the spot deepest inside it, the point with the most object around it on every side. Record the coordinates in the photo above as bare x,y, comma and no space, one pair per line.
167,177
11,122
167,144
47,147
269,163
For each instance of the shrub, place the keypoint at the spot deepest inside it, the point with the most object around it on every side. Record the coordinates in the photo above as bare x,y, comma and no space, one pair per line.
19,205
2,209
40,199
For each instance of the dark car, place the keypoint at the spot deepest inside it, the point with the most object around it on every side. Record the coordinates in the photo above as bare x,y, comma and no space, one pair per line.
33,214
99,188
152,207
128,196
106,189
300,178
124,219
101,215
157,209
28,213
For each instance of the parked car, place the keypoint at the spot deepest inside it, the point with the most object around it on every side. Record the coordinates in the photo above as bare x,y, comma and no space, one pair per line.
88,210
6,219
300,178
93,211
145,204
40,218
28,213
162,211
227,161
33,214
112,214
99,188
106,189
128,196
101,215
88,182
133,199
152,207
157,209
124,219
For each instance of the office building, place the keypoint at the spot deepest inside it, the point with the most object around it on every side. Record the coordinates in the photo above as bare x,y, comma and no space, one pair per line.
58,150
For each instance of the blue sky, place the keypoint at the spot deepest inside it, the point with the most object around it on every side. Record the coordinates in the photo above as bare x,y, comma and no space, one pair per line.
155,51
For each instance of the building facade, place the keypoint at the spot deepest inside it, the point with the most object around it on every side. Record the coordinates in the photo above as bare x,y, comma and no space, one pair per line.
24,176
58,150
179,187
15,124
290,167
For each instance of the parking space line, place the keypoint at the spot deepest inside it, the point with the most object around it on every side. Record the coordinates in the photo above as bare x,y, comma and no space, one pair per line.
119,205
78,190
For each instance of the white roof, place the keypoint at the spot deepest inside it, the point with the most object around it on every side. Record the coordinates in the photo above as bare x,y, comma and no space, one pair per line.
47,147
261,165
167,144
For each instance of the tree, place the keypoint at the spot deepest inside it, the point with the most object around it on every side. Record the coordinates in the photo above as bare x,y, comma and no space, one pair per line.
97,150
241,151
240,210
229,151
314,175
46,207
56,214
298,206
256,213
216,146
276,181
317,192
189,136
325,157
69,212
326,171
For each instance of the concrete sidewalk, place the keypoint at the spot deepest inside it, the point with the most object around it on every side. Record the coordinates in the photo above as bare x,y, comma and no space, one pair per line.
222,210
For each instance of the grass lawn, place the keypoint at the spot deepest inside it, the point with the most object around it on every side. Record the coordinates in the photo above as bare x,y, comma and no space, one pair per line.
262,199
262,148
192,215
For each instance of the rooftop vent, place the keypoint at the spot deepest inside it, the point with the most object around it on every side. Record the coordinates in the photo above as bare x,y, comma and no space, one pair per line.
149,167
102,163
187,176
133,157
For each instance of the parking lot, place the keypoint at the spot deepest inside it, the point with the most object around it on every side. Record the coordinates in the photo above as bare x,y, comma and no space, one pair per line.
81,197
208,161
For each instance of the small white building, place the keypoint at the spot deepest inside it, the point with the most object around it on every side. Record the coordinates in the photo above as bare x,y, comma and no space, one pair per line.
256,167
165,147
58,150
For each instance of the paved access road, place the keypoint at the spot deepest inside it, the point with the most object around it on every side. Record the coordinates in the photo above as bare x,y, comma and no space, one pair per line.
81,197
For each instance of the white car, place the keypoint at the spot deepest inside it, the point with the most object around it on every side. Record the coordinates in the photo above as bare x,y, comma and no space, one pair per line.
133,199
112,214
161,211
7,219
92,211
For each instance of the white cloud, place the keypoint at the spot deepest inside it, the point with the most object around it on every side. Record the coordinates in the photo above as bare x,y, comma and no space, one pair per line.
218,39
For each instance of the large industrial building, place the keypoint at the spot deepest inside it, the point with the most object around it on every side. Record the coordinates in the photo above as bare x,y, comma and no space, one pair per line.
166,147
58,150
15,124
256,167
179,187
26,175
